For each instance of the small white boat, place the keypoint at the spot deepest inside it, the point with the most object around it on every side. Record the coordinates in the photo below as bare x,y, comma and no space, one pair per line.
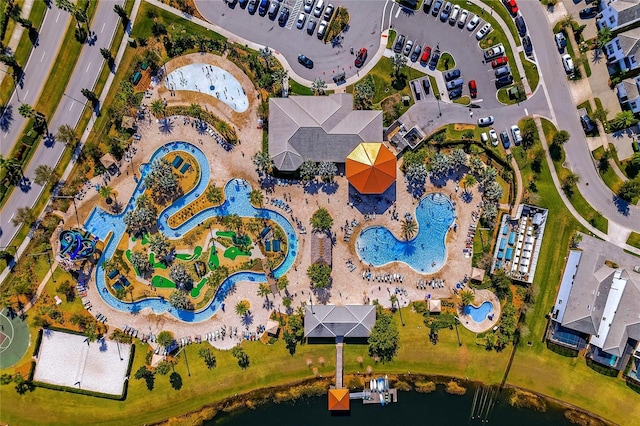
386,383
380,385
371,383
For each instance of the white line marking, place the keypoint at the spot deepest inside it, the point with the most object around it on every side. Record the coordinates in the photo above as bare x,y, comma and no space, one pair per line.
58,17
102,30
43,53
88,67
26,94
71,106
398,12
526,112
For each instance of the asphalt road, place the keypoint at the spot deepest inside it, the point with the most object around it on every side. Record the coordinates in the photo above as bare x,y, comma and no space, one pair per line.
426,29
364,31
69,110
36,72
564,110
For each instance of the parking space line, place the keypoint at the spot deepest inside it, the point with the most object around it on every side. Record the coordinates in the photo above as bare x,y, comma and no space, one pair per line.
293,16
398,12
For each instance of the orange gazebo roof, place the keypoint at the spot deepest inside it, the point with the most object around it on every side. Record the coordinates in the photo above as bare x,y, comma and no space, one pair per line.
339,400
371,168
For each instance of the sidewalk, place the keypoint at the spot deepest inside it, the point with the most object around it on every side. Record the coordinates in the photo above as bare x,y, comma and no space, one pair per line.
16,36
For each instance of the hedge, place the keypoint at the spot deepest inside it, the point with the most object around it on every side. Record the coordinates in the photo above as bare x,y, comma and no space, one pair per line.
32,371
36,347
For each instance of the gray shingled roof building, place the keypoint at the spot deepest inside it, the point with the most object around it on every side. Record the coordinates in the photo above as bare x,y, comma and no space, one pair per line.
320,128
600,297
330,321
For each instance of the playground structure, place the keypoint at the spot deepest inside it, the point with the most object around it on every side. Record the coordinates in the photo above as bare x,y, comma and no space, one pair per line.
75,247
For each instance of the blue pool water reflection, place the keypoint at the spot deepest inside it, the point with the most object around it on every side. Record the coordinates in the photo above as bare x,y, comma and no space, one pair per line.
479,314
426,253
101,224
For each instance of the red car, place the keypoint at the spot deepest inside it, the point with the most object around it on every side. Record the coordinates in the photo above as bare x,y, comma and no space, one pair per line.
499,62
511,6
473,89
425,54
361,57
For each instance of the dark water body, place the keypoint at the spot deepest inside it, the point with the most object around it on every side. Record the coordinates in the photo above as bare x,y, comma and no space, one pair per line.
412,408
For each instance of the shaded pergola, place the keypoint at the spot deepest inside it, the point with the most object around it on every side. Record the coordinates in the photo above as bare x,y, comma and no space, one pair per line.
477,274
371,168
272,328
339,400
435,306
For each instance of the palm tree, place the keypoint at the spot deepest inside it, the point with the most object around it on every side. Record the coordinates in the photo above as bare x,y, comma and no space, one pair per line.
267,56
264,290
318,86
601,114
195,110
566,21
67,135
468,181
467,297
624,119
242,308
394,300
13,171
399,61
409,228
256,198
44,174
603,37
214,194
26,111
158,108
106,192
263,162
278,76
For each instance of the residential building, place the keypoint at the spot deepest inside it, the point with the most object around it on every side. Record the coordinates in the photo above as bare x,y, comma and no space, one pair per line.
621,51
319,128
629,94
598,304
619,14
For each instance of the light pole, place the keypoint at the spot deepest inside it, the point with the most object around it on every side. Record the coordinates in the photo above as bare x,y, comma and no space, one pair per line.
438,99
311,303
455,322
49,260
75,207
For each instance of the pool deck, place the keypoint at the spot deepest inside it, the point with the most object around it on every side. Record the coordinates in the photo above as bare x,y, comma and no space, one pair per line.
348,286
481,297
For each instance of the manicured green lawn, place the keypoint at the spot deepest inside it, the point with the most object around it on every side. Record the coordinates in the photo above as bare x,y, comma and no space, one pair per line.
464,100
298,89
446,62
530,72
485,14
391,38
634,240
610,177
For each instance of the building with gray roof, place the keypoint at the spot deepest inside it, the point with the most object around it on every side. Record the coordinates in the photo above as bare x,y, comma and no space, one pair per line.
339,322
321,248
319,128
598,304
619,14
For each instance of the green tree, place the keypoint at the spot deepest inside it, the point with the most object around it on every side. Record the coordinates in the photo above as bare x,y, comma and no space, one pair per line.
179,275
256,198
208,357
321,220
624,119
149,376
467,297
195,110
318,86
600,114
121,12
561,137
264,290
24,216
603,37
106,192
179,299
243,359
308,170
320,275
45,174
384,338
106,54
529,132
67,135
282,282
26,110
629,190
242,308
164,338
163,368
501,283
140,261
158,108
469,181
214,194
263,162
399,61
90,95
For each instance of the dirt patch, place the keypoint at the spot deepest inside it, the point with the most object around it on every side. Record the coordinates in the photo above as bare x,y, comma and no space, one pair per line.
522,399
463,127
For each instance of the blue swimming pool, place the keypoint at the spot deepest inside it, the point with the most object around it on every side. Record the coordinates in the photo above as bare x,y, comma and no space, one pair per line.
102,224
479,314
426,253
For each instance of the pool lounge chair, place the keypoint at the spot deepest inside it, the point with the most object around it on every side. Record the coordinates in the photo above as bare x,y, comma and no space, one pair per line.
185,167
113,274
267,245
177,161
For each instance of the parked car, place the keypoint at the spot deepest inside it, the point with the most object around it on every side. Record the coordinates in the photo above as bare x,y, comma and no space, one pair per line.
328,12
397,46
318,9
504,138
322,28
301,19
434,59
436,7
454,15
504,80
502,71
284,16
308,63
311,26
485,121
463,18
473,89
425,54
454,84
473,23
308,5
561,41
499,62
416,53
446,10
589,12
521,25
450,75
567,63
426,84
273,9
511,6
482,32
455,93
416,89
484,138
493,51
253,6
361,57
493,136
527,45
263,8
243,3
517,136
587,124
426,5
408,47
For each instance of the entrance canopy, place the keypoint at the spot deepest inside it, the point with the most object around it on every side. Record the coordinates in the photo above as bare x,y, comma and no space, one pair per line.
371,168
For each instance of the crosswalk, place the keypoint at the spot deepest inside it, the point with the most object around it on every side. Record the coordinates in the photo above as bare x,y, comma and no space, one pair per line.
294,11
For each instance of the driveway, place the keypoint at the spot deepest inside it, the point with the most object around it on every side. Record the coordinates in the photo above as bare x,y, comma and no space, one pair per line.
363,31
426,29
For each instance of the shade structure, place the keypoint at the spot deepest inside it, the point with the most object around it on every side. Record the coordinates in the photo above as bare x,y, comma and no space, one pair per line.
371,168
339,400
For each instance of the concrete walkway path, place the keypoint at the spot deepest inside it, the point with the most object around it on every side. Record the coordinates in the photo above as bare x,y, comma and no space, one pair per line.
16,36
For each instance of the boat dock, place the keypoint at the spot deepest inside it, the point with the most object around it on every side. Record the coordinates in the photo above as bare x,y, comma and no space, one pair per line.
375,398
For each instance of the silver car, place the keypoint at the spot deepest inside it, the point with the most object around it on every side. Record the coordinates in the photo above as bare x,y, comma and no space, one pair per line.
301,19
408,47
308,5
485,121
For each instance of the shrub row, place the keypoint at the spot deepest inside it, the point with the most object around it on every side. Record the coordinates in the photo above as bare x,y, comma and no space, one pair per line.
36,347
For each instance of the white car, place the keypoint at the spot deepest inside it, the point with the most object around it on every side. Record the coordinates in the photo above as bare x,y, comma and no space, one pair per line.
485,121
482,32
308,5
454,15
517,136
473,23
301,18
463,18
318,10
567,63
493,136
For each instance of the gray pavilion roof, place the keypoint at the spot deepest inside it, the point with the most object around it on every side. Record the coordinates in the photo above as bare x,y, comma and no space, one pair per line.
630,41
320,128
330,321
628,11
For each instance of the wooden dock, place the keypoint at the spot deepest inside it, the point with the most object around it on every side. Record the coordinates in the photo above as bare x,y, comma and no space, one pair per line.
374,397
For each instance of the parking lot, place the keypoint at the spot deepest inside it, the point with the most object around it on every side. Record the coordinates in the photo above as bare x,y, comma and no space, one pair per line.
364,31
425,29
